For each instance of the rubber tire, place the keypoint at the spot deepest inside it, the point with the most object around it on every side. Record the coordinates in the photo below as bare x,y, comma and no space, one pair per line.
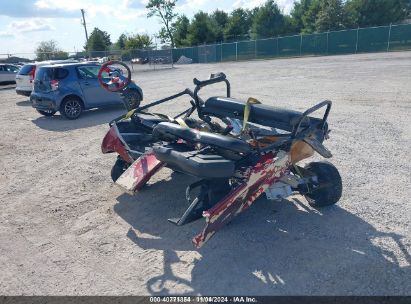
48,114
118,168
329,179
67,100
128,95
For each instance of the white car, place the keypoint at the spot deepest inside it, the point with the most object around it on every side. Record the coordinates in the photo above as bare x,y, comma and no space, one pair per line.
25,77
8,72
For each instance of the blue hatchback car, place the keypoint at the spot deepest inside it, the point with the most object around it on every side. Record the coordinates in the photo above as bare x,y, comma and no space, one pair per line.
73,88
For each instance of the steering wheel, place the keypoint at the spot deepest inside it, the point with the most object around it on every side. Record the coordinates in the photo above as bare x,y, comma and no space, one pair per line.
117,81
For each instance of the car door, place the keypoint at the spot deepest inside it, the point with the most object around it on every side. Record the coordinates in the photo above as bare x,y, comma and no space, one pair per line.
94,94
11,72
2,73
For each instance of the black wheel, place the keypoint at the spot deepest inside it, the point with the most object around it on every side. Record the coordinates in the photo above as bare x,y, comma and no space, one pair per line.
328,188
131,99
46,112
71,108
118,168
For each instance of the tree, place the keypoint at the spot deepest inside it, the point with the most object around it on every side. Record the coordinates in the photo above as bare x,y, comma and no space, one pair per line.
220,19
98,41
201,29
238,25
268,21
310,16
377,12
137,41
60,55
47,50
165,10
289,26
181,31
331,16
121,42
251,14
297,13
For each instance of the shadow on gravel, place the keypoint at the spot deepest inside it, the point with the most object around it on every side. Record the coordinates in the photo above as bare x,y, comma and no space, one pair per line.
9,85
87,119
274,248
24,103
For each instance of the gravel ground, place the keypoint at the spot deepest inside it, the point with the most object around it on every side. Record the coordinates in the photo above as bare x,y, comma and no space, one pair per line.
65,229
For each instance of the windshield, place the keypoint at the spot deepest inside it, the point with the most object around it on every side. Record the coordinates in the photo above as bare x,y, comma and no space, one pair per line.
26,69
47,74
44,74
89,72
11,68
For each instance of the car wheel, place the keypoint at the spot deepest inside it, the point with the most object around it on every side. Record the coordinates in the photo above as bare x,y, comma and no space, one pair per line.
328,188
47,112
71,108
131,98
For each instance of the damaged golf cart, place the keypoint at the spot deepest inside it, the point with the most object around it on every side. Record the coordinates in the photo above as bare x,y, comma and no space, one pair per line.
235,150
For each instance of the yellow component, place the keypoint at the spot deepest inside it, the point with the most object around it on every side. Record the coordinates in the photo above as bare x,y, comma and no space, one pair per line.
247,109
181,122
129,114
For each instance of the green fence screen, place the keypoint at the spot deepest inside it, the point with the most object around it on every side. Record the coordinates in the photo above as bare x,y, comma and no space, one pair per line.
342,42
191,52
361,40
267,48
246,50
289,46
229,51
314,44
400,37
373,39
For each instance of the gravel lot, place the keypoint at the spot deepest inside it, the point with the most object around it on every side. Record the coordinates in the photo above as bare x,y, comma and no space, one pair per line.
65,229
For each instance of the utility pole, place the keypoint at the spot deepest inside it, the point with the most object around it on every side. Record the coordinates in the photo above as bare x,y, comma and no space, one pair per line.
83,22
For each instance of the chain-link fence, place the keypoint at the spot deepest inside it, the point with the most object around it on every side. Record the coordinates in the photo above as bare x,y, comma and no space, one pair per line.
138,60
361,40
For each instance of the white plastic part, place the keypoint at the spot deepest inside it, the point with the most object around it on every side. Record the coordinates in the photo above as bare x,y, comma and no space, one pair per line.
278,191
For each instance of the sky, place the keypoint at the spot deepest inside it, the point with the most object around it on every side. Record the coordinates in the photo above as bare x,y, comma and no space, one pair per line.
24,23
